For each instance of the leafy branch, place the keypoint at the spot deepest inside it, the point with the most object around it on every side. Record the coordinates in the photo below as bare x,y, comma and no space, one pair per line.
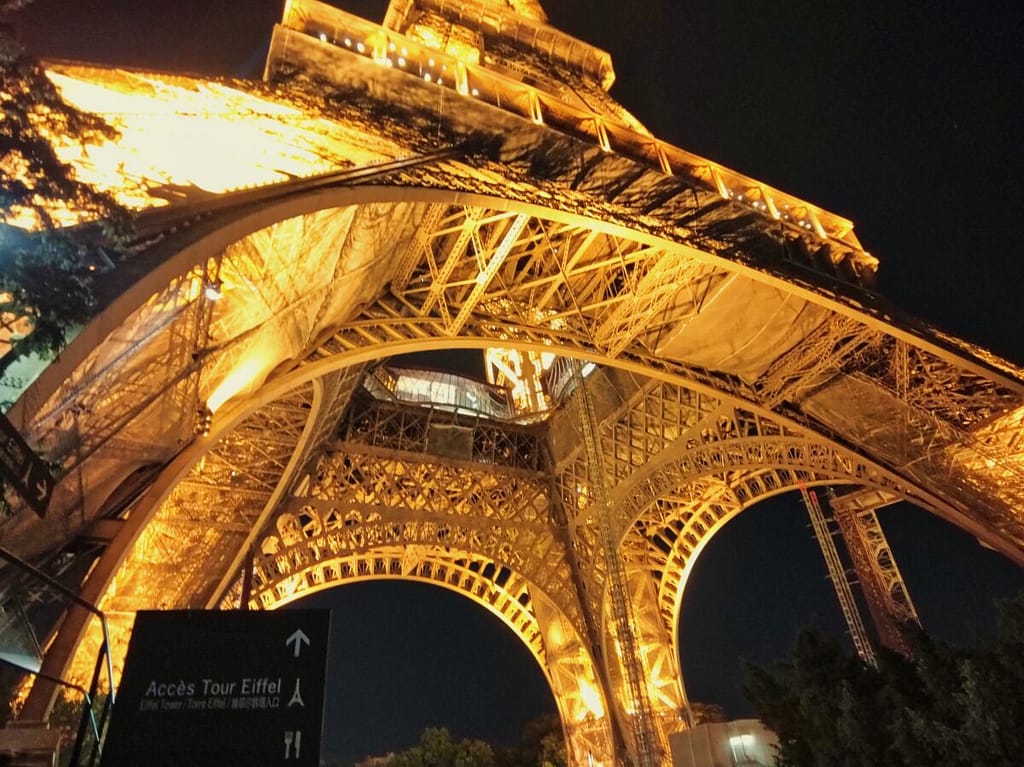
44,277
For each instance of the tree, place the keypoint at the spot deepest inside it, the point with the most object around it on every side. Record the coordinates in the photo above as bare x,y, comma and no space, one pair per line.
542,744
44,281
437,748
707,713
943,706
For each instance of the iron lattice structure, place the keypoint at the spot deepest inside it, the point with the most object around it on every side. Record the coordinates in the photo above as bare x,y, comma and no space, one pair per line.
231,430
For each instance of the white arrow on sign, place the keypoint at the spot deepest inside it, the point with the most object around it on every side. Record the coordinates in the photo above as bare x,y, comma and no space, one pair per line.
298,638
43,489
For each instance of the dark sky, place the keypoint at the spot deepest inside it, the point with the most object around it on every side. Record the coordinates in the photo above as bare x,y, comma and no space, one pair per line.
902,116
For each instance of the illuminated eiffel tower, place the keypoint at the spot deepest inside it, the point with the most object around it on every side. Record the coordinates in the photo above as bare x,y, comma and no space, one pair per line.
666,341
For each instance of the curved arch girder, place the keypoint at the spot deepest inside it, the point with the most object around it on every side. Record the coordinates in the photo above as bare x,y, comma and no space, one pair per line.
359,497
184,537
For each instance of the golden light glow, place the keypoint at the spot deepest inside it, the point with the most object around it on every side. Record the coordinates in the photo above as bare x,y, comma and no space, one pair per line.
556,636
522,372
997,449
181,138
12,326
244,377
591,697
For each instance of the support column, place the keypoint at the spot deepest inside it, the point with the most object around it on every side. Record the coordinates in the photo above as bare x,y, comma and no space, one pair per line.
614,604
574,678
882,584
838,575
660,662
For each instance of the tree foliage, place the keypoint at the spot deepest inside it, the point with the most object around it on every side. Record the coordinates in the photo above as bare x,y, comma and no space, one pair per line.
437,748
944,706
707,713
542,744
43,276
32,176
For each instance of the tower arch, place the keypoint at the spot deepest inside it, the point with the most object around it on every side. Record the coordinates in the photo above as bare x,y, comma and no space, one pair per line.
549,635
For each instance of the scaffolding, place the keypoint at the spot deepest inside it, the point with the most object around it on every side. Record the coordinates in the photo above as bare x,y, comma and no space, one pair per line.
838,575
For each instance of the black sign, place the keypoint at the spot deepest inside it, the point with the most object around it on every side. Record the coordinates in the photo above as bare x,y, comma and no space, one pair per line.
216,688
28,475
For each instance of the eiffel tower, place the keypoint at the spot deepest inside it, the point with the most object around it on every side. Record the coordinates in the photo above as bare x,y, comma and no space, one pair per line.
666,342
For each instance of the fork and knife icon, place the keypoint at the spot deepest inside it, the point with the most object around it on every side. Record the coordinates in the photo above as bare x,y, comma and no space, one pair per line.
292,740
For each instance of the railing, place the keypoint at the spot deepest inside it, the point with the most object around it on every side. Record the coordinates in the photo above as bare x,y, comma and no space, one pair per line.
559,380
445,391
89,724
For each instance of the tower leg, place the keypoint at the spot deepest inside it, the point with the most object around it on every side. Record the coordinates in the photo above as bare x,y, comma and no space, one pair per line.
883,586
660,662
575,681
625,674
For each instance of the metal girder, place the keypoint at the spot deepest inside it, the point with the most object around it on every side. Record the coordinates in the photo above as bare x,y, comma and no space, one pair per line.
942,417
199,528
581,289
366,497
666,539
646,740
494,260
418,245
331,396
671,504
660,415
793,452
609,287
824,353
934,385
443,263
658,655
579,692
392,323
290,575
683,508
191,538
549,635
643,309
885,591
414,429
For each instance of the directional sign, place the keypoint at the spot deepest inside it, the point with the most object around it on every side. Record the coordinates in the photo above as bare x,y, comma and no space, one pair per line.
216,688
28,475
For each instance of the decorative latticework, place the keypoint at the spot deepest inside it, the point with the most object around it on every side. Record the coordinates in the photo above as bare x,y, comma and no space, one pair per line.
885,592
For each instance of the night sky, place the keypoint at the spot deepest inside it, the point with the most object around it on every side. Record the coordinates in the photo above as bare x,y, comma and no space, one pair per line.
900,116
